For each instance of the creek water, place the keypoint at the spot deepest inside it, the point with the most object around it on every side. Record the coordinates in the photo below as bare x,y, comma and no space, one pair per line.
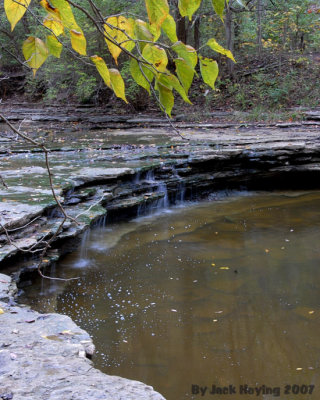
219,294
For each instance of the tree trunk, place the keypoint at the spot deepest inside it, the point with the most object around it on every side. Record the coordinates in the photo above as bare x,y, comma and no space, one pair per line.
259,27
181,29
229,36
196,33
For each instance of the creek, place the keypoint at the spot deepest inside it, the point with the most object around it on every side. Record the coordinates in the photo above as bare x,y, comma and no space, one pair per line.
222,292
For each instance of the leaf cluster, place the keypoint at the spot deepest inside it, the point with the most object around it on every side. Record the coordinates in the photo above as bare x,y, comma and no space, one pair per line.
121,33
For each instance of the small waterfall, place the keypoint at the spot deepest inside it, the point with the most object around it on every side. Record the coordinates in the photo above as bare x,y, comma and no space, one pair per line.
83,259
164,202
150,176
181,193
137,178
102,222
142,209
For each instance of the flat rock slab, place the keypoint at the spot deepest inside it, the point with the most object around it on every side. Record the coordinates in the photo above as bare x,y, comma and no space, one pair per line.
13,213
43,357
95,174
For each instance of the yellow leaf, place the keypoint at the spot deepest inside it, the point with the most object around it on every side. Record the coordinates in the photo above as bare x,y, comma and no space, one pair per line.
157,10
120,30
1,311
209,71
53,24
117,84
62,9
67,332
102,69
156,56
35,52
78,42
225,268
187,53
215,46
15,10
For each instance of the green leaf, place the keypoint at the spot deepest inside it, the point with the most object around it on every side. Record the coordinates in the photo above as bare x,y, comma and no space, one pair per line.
78,42
142,32
155,30
172,82
35,52
185,73
188,7
166,97
15,10
156,56
102,69
117,84
186,52
157,10
54,46
138,76
218,6
209,71
120,29
214,45
170,29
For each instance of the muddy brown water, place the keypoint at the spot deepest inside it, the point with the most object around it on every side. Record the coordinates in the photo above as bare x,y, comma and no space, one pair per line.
220,294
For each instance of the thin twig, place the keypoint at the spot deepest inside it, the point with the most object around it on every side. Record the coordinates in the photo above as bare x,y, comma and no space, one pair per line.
65,216
28,250
86,211
3,182
24,226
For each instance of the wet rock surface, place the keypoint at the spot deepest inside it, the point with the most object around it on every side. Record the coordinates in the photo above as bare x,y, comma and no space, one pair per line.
109,173
45,356
124,172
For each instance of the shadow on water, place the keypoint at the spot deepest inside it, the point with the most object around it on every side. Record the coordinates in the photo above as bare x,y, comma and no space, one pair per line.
217,293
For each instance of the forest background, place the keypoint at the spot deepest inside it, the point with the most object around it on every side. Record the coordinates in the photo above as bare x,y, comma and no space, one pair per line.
276,45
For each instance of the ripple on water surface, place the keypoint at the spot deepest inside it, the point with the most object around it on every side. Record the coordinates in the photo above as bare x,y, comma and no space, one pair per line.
220,293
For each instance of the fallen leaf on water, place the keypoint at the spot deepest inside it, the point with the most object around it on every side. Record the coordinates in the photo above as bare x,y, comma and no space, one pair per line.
224,268
1,311
267,250
299,369
311,312
213,265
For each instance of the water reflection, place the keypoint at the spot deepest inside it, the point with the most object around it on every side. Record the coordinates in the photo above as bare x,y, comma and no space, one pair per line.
222,293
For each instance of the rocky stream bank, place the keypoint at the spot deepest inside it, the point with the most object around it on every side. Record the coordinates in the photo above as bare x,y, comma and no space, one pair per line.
103,174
